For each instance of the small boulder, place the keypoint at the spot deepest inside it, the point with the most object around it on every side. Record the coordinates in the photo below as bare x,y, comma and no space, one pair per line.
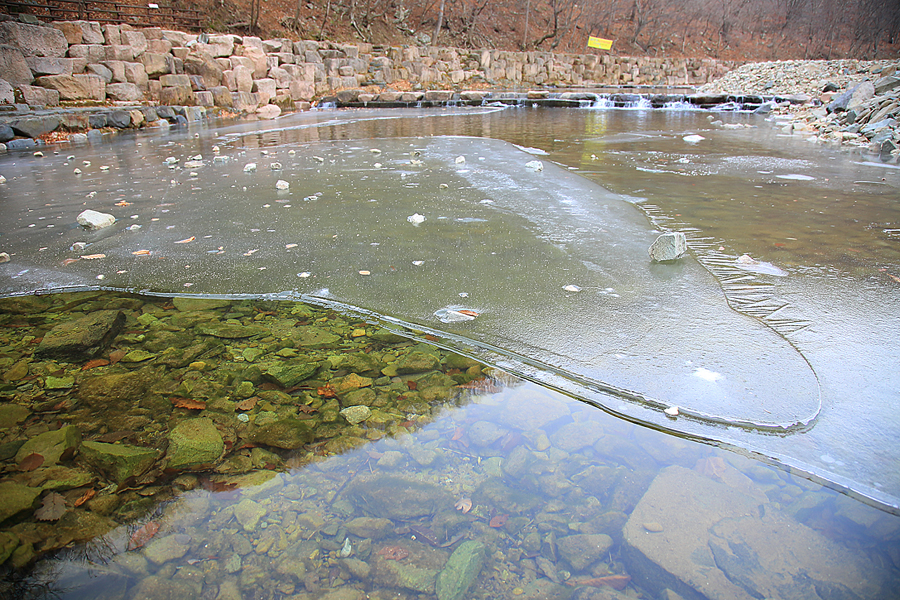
194,443
91,219
84,336
460,572
668,246
417,362
584,549
118,461
16,498
52,446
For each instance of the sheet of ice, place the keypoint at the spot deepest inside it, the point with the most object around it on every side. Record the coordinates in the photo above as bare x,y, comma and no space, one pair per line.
221,229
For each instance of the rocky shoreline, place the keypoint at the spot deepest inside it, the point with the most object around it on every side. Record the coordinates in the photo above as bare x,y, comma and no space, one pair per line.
850,102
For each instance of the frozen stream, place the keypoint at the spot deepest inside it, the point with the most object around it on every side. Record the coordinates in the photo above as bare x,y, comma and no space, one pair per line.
790,355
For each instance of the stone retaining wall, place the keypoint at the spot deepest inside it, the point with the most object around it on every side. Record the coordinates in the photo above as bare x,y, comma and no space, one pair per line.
84,61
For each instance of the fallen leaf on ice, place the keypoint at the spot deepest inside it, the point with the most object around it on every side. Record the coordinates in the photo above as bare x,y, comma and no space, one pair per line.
186,240
93,256
141,252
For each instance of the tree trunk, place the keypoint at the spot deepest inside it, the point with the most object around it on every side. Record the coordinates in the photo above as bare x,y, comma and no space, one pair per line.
440,23
525,33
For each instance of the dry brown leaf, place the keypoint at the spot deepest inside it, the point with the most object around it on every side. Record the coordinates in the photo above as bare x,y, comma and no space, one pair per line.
141,252
69,261
248,403
186,240
97,362
53,508
188,403
85,497
92,256
31,462
116,355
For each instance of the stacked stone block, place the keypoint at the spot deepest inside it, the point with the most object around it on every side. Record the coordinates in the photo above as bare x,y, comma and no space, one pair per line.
86,61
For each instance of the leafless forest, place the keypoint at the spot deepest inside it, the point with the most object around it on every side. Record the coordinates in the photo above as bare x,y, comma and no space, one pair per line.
733,29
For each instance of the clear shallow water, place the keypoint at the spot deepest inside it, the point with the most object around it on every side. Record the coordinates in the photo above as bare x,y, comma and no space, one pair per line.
833,256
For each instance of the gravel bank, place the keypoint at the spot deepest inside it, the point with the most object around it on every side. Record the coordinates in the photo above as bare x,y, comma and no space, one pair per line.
851,102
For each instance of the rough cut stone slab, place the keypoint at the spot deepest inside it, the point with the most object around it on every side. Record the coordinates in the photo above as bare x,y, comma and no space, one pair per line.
666,537
13,66
75,87
101,71
155,63
88,335
124,92
44,65
668,246
6,94
34,40
35,126
777,557
38,96
716,537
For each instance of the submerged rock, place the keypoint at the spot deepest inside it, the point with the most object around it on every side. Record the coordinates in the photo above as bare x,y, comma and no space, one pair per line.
582,550
701,538
111,391
417,362
83,337
14,498
286,432
118,461
288,373
460,571
52,446
194,443
398,498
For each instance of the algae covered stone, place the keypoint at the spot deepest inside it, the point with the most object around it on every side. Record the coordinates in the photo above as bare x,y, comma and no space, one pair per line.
417,362
52,446
289,433
194,443
248,513
288,373
118,461
461,570
15,498
84,336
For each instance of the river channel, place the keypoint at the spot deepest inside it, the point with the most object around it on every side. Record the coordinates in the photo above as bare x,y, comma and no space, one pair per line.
538,409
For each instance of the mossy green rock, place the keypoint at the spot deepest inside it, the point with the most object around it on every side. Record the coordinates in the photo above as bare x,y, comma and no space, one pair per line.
185,304
282,432
84,336
158,588
8,543
460,571
362,363
51,445
112,390
417,362
59,383
15,498
194,443
60,478
118,461
12,414
229,330
288,373
315,338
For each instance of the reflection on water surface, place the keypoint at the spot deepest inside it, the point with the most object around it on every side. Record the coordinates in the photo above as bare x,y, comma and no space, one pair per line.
228,448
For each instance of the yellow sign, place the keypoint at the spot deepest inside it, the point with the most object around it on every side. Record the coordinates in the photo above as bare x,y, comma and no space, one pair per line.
595,42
